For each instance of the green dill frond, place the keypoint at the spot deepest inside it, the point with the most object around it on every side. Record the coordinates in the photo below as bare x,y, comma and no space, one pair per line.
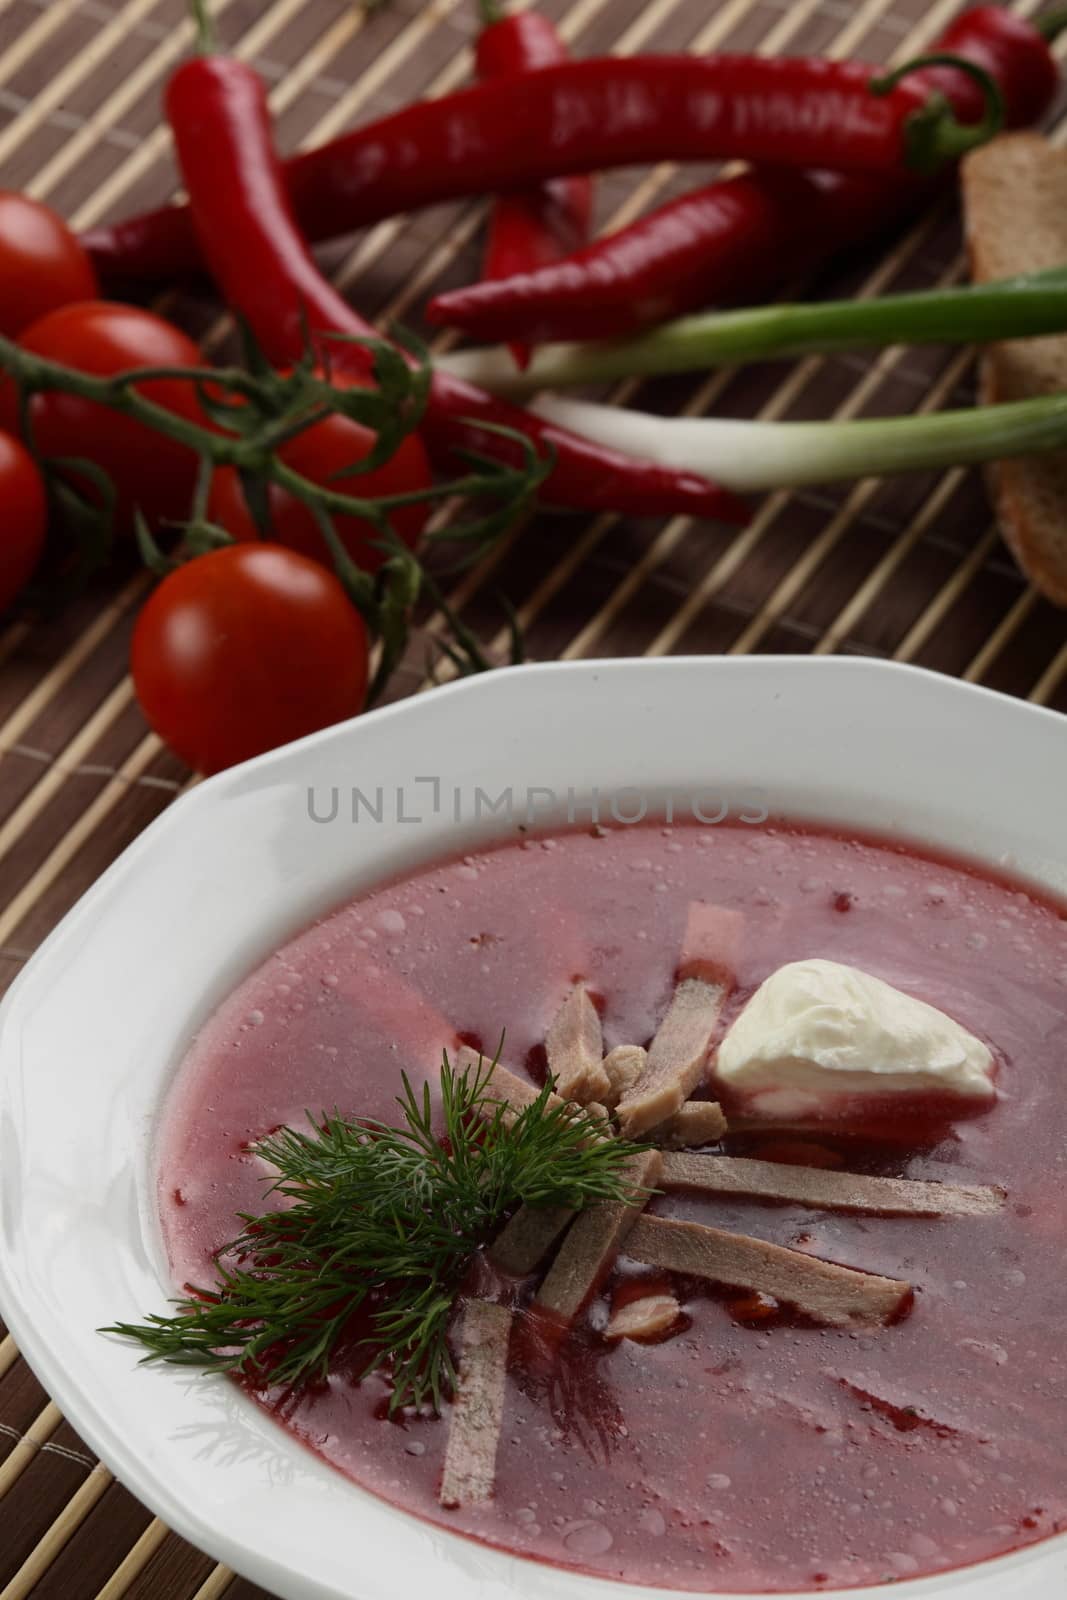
382,1214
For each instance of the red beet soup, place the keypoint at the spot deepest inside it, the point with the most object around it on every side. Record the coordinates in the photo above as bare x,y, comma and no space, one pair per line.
750,1449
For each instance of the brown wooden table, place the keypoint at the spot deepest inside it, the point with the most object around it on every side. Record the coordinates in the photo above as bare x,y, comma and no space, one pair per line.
911,570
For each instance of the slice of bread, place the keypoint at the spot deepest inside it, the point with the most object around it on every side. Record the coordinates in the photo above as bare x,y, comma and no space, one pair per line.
1015,206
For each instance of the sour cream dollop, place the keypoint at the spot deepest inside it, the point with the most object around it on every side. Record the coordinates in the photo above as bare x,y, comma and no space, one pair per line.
816,1030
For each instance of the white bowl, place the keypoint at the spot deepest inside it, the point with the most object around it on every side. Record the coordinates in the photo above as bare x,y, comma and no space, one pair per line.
93,1029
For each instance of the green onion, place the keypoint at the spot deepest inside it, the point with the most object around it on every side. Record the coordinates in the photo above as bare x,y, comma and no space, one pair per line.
777,455
1013,308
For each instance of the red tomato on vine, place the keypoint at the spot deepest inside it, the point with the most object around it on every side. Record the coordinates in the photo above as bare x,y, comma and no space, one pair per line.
42,263
245,649
23,517
146,470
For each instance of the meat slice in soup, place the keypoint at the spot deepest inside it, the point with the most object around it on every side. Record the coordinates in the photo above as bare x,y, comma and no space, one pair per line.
594,1241
527,1238
622,1068
478,1409
676,1057
647,1318
574,1046
678,1054
696,1122
511,1090
833,1295
835,1191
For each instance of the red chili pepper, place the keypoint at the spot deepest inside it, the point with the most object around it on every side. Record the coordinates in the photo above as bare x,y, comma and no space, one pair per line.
739,236
700,249
218,110
581,116
1013,50
535,227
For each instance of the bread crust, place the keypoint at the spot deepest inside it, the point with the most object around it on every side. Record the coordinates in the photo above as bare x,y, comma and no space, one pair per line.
1015,205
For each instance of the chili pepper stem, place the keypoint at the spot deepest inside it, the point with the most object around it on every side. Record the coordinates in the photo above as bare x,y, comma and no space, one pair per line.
934,134
1012,308
491,12
207,39
1051,24
749,456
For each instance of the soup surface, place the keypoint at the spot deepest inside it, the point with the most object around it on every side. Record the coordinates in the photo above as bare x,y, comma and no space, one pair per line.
747,1452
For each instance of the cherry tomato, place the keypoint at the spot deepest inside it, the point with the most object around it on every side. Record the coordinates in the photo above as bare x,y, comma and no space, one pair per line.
42,264
245,649
23,517
97,336
320,454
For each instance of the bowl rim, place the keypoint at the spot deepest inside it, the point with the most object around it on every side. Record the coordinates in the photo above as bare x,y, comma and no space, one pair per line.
126,1458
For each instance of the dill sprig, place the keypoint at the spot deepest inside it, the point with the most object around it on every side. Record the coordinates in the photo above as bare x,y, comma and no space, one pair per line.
388,1215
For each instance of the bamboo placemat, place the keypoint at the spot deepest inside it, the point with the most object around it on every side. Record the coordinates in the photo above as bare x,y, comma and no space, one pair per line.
911,570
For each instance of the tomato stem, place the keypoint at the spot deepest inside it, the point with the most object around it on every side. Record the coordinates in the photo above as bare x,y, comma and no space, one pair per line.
250,416
204,474
357,584
310,401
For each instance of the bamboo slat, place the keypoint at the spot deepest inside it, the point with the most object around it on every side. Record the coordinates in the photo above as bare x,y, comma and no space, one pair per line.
62,1529
31,39
17,1459
8,1354
134,1562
